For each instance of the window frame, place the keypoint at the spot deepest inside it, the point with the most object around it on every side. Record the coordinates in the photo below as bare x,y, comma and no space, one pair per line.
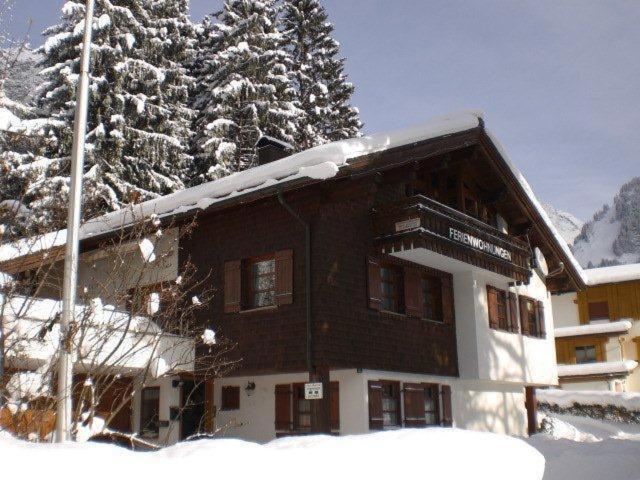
143,405
250,278
584,348
396,388
434,388
397,273
530,317
230,398
598,303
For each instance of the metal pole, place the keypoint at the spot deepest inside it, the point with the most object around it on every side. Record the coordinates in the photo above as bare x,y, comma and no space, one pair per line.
65,363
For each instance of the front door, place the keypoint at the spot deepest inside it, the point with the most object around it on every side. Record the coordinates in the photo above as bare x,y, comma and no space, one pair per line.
193,408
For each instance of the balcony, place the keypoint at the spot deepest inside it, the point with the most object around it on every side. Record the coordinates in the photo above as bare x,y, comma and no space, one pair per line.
420,222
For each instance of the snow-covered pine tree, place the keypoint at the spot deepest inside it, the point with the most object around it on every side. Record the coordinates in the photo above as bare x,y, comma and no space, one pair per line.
243,88
318,75
138,122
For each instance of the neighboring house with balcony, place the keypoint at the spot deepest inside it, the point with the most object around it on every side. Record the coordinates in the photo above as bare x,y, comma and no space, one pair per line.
408,273
598,331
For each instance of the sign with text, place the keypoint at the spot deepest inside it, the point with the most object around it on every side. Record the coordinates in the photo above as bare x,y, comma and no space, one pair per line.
479,244
313,391
409,224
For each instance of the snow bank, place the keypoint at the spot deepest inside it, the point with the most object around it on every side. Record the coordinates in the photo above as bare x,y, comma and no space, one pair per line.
566,398
425,453
617,273
597,368
621,326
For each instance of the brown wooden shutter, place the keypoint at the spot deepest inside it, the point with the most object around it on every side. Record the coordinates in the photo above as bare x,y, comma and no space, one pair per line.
542,333
513,312
283,408
284,277
375,405
524,316
414,414
447,418
413,292
334,399
492,303
232,290
373,269
448,312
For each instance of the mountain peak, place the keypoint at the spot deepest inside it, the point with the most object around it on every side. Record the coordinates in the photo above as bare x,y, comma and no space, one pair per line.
568,225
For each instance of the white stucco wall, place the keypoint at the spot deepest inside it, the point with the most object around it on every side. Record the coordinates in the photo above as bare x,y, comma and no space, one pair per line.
477,405
565,310
484,353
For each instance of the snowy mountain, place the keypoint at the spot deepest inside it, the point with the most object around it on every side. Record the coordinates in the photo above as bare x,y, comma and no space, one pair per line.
568,225
23,78
612,236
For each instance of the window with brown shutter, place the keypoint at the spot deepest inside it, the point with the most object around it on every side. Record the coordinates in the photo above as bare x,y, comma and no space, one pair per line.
392,289
448,311
150,412
513,312
540,319
492,305
445,394
283,408
301,409
230,398
334,399
432,297
376,421
414,404
413,293
431,403
232,286
284,277
598,310
530,317
373,283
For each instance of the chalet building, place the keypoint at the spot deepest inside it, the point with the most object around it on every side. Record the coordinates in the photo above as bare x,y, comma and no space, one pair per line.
408,274
598,331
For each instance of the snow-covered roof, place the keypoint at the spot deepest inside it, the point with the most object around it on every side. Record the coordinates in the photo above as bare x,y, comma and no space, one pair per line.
615,274
318,163
597,368
621,326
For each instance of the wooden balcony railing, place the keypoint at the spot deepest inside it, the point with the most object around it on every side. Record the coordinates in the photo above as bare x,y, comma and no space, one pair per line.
420,222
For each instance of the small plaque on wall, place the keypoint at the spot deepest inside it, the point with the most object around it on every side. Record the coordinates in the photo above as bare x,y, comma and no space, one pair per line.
409,224
163,423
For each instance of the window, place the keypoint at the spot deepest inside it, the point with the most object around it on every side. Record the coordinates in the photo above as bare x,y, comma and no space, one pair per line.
501,309
230,398
390,404
598,311
432,298
301,410
262,282
257,282
392,289
150,412
294,414
586,354
431,405
532,318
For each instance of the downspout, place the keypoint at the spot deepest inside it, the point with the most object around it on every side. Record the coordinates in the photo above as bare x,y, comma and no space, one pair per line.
307,273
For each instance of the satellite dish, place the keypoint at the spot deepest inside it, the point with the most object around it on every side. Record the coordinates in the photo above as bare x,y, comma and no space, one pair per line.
541,262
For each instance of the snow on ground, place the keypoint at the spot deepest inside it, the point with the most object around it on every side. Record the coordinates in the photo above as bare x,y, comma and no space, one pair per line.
406,453
588,449
566,398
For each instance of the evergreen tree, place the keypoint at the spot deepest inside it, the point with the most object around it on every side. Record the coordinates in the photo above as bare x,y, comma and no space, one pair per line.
318,75
138,121
243,88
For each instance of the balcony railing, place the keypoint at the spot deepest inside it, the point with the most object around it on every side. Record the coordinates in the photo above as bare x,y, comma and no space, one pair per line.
420,222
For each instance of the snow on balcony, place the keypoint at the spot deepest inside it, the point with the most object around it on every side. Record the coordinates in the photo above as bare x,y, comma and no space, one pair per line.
106,338
620,327
597,368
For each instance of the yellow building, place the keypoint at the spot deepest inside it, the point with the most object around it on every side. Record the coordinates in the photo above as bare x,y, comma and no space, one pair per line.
597,331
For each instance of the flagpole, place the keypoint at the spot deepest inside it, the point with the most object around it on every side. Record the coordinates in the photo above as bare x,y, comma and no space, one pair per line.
69,285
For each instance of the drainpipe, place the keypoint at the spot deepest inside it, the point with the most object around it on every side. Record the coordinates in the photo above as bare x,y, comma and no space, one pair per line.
307,272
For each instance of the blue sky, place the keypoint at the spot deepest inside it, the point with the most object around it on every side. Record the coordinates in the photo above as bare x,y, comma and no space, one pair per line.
559,81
